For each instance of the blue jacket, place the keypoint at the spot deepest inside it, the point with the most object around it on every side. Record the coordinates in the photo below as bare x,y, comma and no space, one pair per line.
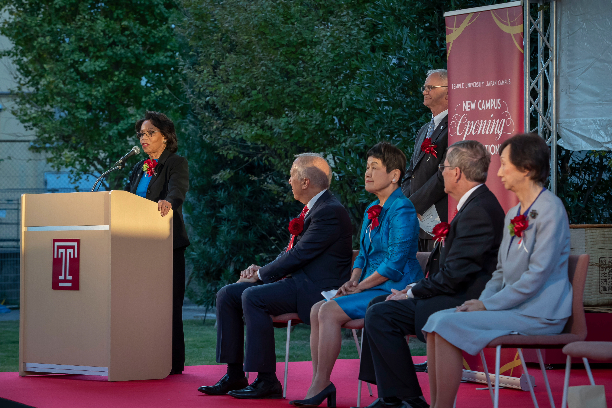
392,250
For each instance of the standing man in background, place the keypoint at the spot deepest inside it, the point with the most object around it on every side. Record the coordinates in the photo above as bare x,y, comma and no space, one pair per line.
423,184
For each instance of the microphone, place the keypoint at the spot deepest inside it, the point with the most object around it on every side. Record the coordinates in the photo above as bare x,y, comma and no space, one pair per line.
117,166
121,162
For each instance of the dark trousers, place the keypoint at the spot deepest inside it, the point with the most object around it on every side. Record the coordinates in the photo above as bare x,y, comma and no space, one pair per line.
178,294
256,302
385,357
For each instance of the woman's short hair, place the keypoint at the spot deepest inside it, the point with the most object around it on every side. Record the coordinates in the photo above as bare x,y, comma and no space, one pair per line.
391,157
165,126
529,152
472,159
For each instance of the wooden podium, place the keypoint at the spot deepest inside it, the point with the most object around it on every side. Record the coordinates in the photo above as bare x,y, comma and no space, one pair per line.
96,286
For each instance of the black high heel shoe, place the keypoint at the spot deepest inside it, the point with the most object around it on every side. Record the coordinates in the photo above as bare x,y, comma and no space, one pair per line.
329,392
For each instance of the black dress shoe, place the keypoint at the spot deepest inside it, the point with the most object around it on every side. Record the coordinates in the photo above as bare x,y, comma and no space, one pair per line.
421,368
380,403
415,402
259,389
224,385
329,392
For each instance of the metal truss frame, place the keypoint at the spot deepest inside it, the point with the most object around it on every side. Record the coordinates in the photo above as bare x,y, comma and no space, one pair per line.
540,29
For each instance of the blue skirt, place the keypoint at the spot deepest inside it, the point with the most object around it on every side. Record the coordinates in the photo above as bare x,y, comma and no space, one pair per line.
355,305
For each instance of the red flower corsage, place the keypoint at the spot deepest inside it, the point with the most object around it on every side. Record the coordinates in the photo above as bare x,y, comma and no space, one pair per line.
296,226
373,213
429,148
440,231
517,226
149,167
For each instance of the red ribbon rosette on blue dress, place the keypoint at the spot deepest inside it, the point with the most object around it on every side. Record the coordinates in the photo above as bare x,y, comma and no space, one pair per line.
373,213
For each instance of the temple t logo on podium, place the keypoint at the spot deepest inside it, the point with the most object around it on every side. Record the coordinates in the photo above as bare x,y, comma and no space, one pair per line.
66,260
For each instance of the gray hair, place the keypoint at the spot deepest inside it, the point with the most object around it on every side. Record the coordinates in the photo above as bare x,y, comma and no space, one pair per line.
442,72
472,159
315,168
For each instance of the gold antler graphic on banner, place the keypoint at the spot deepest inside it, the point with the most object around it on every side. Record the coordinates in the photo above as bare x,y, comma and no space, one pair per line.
455,31
510,29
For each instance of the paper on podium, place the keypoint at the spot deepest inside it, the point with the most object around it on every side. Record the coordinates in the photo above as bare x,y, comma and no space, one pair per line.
429,219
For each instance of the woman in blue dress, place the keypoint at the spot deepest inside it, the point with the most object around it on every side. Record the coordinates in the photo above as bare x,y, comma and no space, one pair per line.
386,260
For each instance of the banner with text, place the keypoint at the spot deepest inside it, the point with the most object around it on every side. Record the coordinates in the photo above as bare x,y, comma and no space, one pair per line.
485,82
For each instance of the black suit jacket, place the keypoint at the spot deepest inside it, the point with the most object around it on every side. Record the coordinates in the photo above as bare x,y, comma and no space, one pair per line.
459,270
321,255
170,182
423,183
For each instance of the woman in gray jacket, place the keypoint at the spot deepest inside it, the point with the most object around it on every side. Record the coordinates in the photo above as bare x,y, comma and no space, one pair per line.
529,293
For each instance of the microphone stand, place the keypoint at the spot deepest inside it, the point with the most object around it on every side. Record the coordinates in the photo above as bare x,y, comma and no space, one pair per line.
99,179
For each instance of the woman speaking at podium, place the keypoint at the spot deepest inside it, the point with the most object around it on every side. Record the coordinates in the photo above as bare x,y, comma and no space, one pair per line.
164,178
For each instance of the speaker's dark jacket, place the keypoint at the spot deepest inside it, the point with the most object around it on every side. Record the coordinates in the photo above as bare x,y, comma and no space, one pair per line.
170,182
423,183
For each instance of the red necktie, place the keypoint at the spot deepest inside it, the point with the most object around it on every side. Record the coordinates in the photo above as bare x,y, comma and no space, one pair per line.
296,226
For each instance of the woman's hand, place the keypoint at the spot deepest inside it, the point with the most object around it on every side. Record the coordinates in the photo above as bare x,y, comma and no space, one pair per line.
473,305
164,207
347,289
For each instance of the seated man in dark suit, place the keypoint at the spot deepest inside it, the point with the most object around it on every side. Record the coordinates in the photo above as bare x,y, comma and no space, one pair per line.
457,270
317,258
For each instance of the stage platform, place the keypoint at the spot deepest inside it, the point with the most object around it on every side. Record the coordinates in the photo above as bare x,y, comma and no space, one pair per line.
66,391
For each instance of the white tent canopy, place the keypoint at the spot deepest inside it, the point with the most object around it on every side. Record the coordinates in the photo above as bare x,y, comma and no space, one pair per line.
584,51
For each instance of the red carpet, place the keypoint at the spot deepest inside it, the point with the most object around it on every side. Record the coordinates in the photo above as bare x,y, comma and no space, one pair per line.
61,391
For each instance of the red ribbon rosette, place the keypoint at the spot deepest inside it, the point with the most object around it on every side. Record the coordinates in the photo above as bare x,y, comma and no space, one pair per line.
518,225
429,148
149,167
296,226
373,213
440,231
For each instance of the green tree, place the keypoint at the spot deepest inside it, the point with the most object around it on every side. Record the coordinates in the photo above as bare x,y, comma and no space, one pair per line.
266,80
86,70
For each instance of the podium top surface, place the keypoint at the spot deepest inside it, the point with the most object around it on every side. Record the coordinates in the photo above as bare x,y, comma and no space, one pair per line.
76,209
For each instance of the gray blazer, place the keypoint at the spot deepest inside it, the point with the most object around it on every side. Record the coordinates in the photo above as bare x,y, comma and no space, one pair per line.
532,278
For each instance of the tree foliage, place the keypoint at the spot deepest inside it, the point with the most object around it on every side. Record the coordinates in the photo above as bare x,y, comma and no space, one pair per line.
271,78
86,70
267,80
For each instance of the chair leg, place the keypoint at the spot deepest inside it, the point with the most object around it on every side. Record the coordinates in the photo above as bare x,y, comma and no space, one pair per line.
543,369
533,397
359,354
486,370
568,367
588,370
497,358
369,386
357,342
287,358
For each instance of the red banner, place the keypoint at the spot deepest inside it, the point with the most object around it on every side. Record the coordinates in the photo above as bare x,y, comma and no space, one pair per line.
485,82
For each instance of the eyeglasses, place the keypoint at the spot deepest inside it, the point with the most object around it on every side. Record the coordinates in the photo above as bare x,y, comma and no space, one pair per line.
428,88
442,166
150,134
